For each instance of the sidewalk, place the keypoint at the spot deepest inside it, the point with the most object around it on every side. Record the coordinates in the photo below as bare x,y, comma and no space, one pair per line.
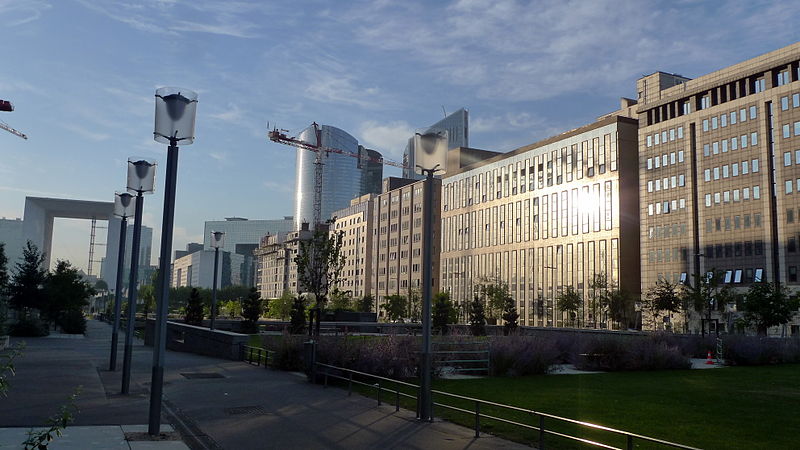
214,403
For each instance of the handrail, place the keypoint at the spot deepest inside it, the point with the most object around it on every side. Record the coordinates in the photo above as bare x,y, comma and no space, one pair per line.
478,402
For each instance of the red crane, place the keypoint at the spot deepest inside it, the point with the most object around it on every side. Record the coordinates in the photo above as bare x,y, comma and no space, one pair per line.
278,136
7,106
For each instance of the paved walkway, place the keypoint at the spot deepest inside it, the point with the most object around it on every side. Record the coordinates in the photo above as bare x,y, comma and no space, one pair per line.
241,407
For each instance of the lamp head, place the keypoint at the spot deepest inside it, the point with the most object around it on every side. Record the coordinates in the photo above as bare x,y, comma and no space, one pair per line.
176,109
141,175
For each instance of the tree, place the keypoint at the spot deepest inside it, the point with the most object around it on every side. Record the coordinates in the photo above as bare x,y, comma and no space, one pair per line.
443,312
233,293
65,292
341,301
621,307
147,295
569,301
26,288
414,304
707,293
510,316
298,316
319,265
194,309
395,307
599,295
251,311
281,308
766,305
477,317
4,279
494,292
663,296
366,304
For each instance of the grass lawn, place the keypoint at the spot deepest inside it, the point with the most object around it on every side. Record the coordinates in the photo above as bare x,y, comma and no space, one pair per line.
730,408
255,341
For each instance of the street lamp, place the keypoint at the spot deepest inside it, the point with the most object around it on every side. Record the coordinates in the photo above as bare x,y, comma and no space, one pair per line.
141,180
430,153
174,123
217,242
123,208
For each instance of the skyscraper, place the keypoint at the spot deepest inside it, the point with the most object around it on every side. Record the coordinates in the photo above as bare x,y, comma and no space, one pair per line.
457,127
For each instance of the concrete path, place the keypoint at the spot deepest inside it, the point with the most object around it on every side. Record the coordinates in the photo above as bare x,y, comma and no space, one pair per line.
230,405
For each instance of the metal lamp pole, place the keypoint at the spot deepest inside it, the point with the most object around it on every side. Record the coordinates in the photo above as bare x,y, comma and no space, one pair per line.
217,241
121,208
174,122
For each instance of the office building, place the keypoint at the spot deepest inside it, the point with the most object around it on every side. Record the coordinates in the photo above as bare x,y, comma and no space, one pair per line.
197,270
720,177
457,127
544,217
343,177
355,223
276,271
11,234
242,237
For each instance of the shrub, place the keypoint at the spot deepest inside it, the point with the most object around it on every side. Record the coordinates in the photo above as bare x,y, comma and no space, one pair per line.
73,322
609,353
288,352
522,355
390,356
29,327
752,350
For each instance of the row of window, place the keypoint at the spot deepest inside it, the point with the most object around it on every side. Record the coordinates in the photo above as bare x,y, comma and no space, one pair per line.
734,249
733,223
664,160
734,195
787,158
795,102
789,186
722,120
666,231
715,148
665,136
732,170
787,130
666,206
666,183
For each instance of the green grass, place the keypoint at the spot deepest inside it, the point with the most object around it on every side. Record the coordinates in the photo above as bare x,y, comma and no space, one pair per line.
255,341
731,408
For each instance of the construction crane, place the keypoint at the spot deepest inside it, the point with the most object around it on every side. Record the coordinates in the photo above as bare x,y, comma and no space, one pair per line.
280,137
7,106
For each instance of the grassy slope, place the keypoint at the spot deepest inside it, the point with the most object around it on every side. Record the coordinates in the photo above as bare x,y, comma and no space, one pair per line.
740,407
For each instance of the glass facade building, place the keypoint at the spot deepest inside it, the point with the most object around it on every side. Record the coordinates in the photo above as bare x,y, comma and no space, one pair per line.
457,126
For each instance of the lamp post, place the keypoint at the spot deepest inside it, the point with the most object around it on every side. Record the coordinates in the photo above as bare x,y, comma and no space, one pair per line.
174,123
430,152
217,241
123,203
141,180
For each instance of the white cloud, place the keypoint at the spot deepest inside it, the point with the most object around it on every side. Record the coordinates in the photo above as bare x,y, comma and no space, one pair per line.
326,87
15,12
388,138
233,114
506,122
88,134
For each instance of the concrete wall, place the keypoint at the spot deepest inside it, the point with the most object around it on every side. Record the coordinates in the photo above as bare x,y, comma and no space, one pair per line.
200,340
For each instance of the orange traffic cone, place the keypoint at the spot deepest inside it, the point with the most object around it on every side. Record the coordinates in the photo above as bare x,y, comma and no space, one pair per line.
708,358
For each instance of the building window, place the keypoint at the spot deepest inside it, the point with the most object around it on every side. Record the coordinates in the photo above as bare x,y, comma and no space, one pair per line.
784,103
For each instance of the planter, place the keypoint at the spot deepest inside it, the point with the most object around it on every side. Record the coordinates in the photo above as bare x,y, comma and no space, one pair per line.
4,342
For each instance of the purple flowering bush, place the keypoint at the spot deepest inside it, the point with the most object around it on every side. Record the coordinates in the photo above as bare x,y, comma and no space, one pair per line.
522,355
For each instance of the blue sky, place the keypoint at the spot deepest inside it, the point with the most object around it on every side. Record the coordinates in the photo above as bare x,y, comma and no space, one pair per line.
82,74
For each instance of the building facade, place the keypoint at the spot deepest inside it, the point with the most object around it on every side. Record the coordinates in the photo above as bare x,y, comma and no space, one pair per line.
11,234
355,223
276,271
197,270
544,217
398,238
720,176
343,178
457,127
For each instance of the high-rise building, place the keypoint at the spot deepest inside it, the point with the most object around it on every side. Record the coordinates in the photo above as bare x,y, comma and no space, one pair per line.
242,237
145,249
11,234
720,177
398,238
343,177
545,217
276,271
457,127
197,269
355,223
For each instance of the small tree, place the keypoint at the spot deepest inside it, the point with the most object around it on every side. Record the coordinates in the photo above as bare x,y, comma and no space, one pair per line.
66,294
477,317
414,305
251,311
598,301
4,279
443,312
341,301
26,288
366,304
298,316
510,316
395,307
707,293
767,305
662,297
621,307
494,292
320,263
194,309
147,294
281,308
569,301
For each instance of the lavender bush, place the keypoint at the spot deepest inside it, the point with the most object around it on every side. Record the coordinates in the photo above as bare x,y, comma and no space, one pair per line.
522,355
609,353
755,350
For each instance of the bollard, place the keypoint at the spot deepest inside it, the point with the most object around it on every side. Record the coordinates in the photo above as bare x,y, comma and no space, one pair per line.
378,392
397,400
477,419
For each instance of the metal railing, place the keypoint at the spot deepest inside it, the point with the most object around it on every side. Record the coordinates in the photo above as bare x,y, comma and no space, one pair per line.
539,417
258,356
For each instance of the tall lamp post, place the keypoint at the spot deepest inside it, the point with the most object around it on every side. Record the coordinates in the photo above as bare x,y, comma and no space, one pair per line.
430,153
123,208
141,180
217,242
174,124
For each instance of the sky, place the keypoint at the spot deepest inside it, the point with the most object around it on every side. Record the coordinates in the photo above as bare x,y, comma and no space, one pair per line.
82,75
